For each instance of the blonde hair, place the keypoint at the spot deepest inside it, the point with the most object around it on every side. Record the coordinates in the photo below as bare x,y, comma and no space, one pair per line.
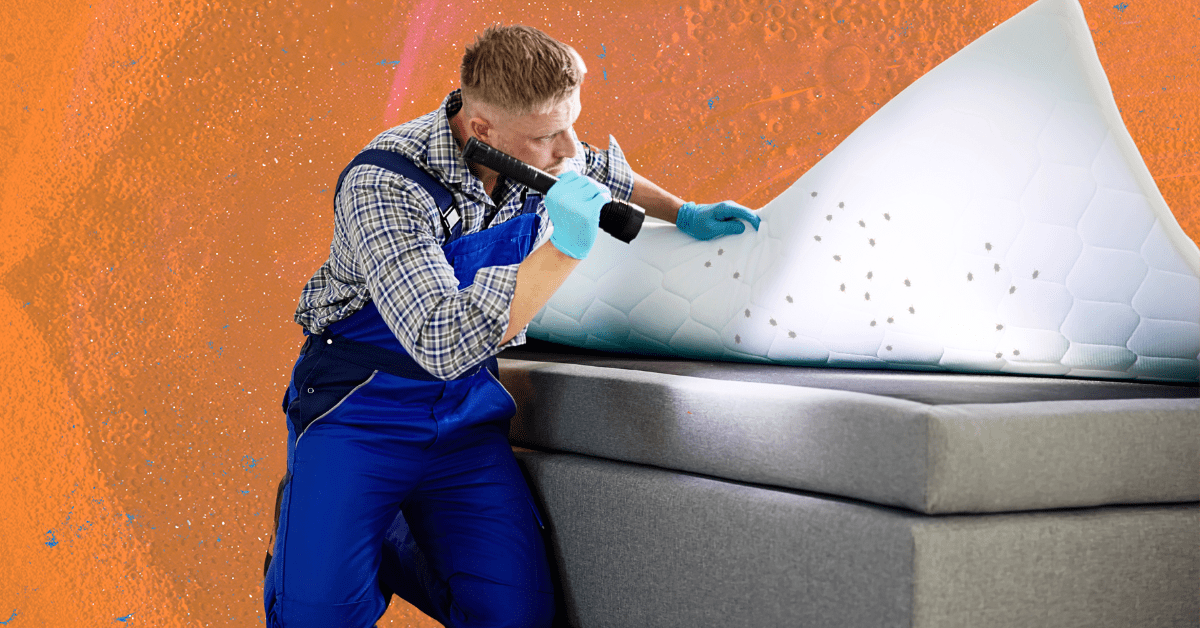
519,69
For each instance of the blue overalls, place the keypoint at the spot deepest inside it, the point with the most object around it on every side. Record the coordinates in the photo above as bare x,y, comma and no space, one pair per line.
402,483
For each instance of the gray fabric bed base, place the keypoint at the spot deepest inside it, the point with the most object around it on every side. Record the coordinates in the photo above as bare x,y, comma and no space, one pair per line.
640,546
933,459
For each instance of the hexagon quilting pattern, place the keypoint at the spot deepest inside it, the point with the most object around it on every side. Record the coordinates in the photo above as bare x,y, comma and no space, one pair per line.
993,217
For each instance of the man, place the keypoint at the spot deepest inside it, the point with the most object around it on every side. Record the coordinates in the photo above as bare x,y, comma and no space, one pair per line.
400,476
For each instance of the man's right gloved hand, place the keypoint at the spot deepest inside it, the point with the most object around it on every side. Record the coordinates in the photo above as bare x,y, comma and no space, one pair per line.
574,206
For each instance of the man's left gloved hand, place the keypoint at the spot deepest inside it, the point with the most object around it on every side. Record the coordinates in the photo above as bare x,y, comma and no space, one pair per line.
705,222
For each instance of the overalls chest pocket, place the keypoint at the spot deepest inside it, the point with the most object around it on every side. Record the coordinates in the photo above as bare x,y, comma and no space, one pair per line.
503,245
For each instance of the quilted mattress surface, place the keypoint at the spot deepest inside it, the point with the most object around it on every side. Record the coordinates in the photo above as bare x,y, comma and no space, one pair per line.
995,216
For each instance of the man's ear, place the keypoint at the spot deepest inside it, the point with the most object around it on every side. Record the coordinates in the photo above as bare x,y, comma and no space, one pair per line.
480,128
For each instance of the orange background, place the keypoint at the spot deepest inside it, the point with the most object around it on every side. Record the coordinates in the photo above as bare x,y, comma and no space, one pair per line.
166,173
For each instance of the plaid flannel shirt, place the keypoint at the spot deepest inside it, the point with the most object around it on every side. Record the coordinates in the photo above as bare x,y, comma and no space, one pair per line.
387,247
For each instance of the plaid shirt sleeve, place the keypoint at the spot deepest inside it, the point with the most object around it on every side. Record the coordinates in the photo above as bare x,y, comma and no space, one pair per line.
387,248
608,167
390,227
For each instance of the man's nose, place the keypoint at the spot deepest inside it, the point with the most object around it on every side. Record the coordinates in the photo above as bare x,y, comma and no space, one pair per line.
564,145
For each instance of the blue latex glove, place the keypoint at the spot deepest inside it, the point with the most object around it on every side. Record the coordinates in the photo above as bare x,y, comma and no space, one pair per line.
705,222
574,206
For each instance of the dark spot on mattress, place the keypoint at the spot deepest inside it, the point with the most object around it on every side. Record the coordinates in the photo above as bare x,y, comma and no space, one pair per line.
997,267
736,275
970,277
737,339
999,327
1016,352
891,320
1012,289
791,334
837,258
872,241
789,299
987,245
720,251
889,347
870,273
708,264
873,323
829,217
747,313
908,283
862,224
999,355
814,195
817,238
912,310
843,287
887,216
867,296
841,205
1035,274
773,323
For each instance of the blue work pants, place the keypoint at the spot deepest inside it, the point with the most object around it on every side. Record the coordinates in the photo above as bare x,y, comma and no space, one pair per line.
408,487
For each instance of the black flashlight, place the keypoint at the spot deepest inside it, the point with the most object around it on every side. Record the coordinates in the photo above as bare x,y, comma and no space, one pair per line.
621,220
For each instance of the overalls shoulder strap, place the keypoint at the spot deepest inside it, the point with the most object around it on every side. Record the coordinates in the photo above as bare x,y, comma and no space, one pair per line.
363,338
401,165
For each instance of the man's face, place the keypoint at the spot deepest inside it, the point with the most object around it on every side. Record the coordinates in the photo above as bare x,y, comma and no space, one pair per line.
542,140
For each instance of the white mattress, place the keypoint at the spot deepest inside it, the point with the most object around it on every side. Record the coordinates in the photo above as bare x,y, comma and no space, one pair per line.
995,216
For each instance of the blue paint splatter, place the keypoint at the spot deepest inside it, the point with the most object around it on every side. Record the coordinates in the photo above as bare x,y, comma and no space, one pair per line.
125,618
252,462
10,617
712,102
1121,7
602,51
605,74
52,542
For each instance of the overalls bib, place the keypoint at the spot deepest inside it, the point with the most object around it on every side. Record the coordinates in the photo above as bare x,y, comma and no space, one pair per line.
399,482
